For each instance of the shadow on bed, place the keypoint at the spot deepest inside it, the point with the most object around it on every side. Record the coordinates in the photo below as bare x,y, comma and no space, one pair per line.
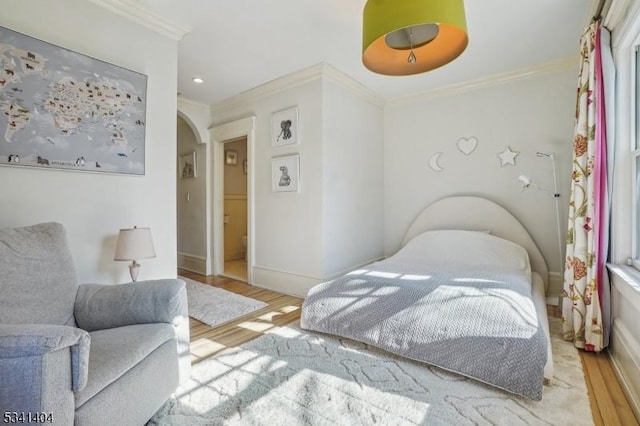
469,323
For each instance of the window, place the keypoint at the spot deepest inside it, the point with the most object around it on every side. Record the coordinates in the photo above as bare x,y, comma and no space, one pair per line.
625,187
635,165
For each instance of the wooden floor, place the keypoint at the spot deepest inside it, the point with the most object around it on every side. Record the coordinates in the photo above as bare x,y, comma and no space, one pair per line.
608,402
280,310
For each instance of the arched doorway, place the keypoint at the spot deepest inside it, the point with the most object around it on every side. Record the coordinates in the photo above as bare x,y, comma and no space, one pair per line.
193,193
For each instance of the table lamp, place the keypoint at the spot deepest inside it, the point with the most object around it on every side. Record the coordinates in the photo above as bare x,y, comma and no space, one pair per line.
134,243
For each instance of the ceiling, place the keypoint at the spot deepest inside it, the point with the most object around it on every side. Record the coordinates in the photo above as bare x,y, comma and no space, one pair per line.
235,45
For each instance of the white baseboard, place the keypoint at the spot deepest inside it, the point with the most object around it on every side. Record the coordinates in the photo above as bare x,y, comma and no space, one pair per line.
283,282
352,268
293,284
192,263
556,282
624,351
553,300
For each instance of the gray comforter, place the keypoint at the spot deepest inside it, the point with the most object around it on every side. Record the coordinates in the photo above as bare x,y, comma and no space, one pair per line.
432,304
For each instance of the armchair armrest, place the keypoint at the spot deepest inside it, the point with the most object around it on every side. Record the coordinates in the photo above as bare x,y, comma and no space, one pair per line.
108,306
32,340
100,306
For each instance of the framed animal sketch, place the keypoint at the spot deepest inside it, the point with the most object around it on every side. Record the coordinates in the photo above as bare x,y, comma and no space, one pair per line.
285,174
284,127
64,110
231,157
187,165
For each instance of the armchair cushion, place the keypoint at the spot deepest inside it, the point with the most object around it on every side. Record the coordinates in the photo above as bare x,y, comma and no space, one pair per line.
117,350
37,271
31,341
99,306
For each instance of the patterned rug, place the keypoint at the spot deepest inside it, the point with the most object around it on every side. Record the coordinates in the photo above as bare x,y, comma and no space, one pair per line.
293,377
215,306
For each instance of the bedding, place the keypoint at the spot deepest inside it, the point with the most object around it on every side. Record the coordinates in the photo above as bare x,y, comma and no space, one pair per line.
459,300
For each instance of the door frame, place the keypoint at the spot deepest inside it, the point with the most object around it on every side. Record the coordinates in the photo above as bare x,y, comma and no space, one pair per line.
244,127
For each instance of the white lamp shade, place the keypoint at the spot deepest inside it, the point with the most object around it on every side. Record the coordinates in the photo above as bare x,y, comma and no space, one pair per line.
134,243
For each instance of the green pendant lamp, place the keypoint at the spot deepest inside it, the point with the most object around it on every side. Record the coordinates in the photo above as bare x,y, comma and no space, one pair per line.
404,37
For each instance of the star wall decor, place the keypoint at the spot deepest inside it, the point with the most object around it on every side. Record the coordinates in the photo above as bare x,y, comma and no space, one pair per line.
508,157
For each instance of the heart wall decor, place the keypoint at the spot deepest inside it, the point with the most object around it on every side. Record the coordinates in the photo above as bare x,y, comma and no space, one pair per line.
467,145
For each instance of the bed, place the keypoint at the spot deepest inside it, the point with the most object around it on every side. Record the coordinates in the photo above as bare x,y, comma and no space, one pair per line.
466,293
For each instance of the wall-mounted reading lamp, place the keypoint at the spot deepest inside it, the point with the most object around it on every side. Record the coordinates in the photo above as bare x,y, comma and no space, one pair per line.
528,183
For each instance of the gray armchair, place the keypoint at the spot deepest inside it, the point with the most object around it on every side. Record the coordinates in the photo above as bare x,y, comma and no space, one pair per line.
83,354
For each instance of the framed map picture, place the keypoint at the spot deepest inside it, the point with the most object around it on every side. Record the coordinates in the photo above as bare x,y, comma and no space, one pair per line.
64,110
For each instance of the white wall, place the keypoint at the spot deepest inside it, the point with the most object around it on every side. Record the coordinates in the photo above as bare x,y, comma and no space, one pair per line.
530,114
198,116
191,202
353,180
334,222
94,206
288,226
625,334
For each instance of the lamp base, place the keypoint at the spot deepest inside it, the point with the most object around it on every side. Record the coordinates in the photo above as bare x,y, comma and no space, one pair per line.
134,268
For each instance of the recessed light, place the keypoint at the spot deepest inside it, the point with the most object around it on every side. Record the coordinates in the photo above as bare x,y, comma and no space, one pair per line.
198,80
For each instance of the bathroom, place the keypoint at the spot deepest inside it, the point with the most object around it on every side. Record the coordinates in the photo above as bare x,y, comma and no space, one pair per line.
235,209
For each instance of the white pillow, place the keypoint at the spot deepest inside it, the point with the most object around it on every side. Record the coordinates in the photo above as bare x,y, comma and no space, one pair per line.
457,248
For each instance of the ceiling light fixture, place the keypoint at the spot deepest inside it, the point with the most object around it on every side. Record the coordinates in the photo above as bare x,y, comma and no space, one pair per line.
198,80
405,37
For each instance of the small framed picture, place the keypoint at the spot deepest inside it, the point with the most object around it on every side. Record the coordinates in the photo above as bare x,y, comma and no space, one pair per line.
231,157
285,174
284,127
187,165
244,166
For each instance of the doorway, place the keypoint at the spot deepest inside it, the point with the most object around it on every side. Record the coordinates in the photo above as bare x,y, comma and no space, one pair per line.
235,209
243,128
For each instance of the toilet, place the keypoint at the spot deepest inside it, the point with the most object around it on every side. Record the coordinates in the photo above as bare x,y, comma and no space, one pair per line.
244,244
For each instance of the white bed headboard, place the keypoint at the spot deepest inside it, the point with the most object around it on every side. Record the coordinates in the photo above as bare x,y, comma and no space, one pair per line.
478,214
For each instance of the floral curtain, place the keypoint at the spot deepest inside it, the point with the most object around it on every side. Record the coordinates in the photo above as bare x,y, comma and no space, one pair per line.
585,284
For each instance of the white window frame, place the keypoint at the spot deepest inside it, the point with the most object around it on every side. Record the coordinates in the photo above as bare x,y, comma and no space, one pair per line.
634,154
625,39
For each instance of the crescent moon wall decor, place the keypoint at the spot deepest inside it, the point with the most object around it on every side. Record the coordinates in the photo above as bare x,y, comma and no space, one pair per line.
467,145
433,162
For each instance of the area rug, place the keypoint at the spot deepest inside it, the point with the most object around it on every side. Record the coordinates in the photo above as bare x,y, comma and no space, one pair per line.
294,377
215,306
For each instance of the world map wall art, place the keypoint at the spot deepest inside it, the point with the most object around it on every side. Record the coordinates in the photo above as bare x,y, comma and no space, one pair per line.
64,110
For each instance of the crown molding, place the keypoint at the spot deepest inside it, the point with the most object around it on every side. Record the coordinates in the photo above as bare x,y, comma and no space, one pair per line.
143,16
565,64
289,81
331,74
316,72
194,104
341,79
